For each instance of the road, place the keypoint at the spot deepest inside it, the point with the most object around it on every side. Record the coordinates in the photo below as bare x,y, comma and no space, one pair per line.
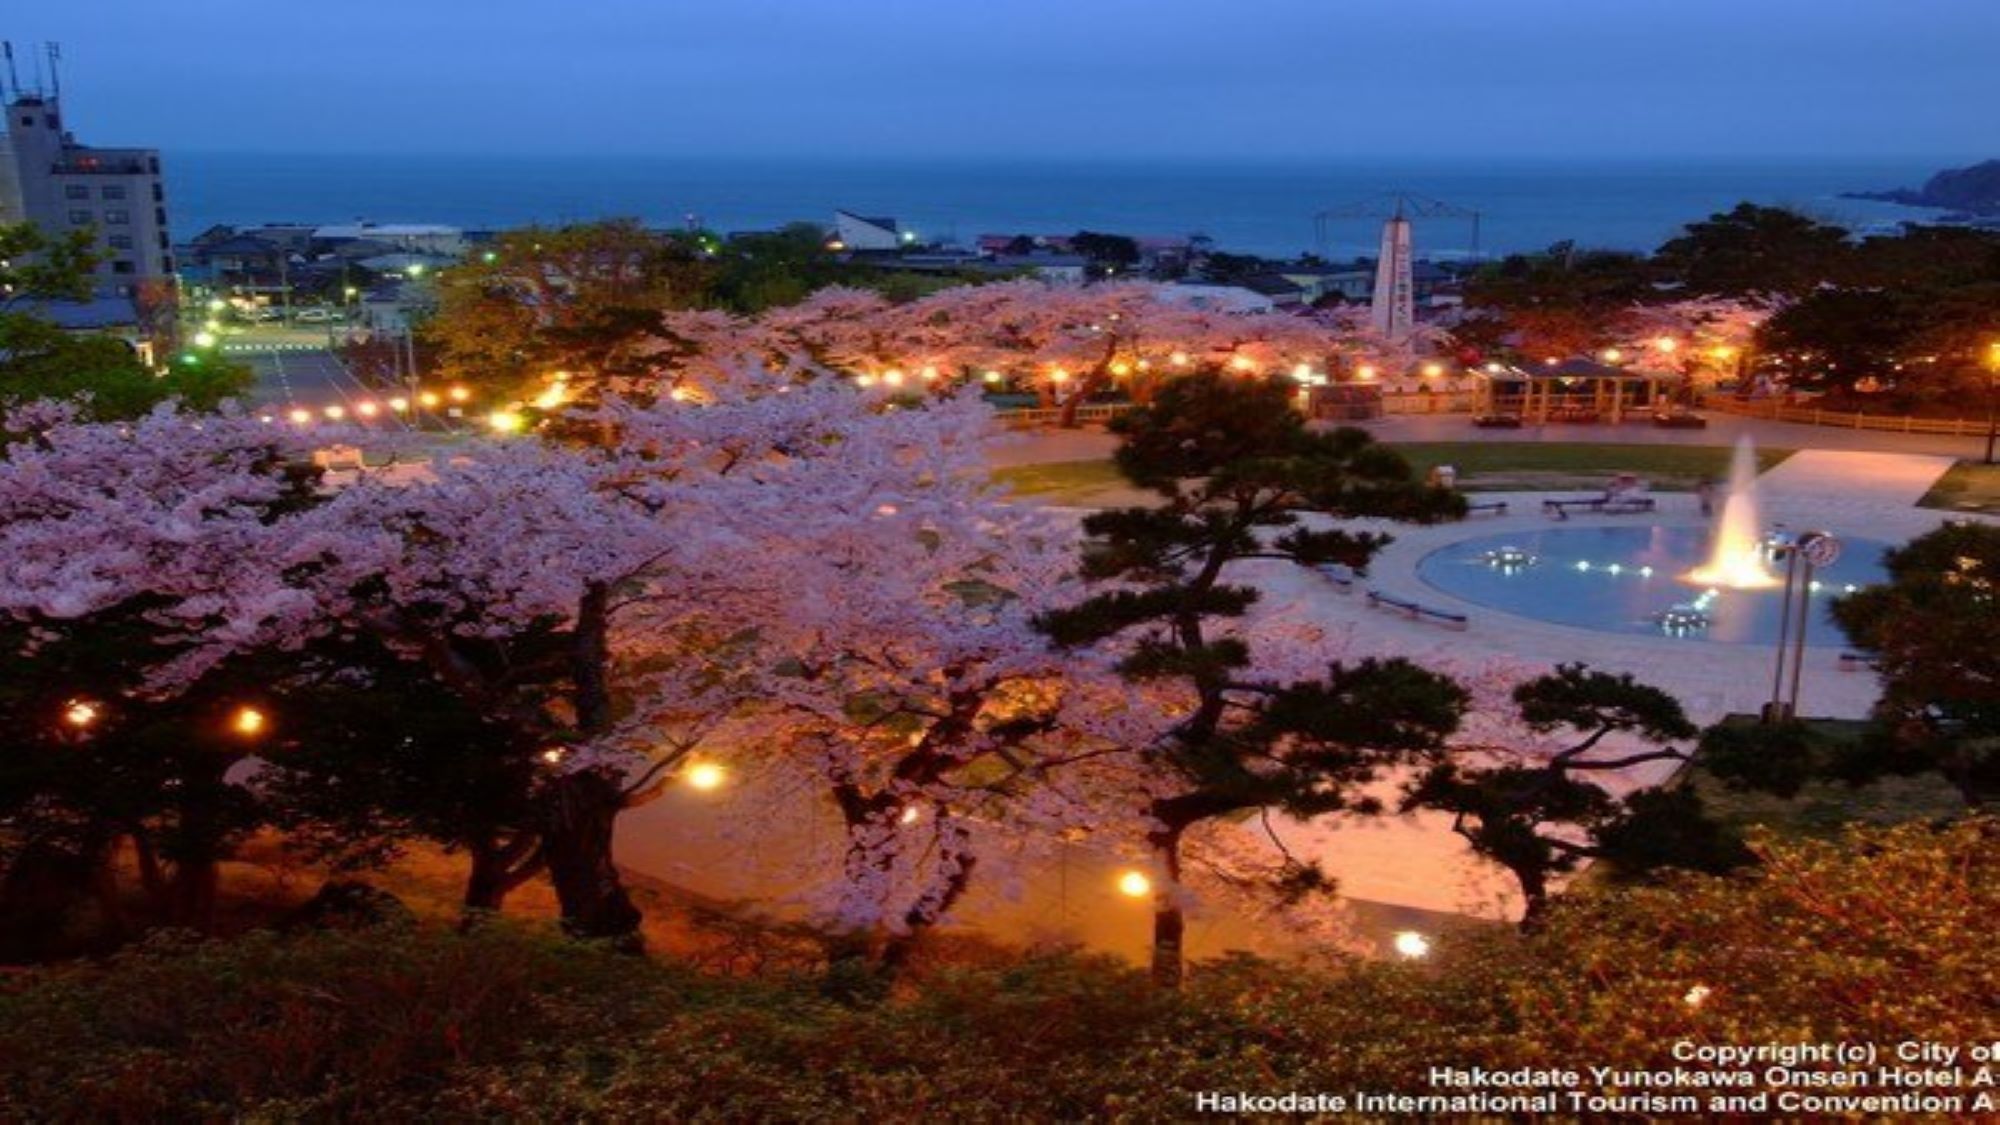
296,370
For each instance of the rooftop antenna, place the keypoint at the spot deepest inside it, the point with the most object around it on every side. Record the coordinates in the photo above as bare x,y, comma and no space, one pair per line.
38,75
55,70
13,89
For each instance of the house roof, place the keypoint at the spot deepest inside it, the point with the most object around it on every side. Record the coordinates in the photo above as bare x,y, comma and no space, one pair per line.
885,223
1577,367
241,244
85,316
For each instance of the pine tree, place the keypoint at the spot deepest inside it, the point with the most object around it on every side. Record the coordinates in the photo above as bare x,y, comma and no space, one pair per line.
1238,471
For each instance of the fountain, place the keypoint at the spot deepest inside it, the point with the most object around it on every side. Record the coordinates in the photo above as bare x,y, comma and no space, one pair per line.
1737,556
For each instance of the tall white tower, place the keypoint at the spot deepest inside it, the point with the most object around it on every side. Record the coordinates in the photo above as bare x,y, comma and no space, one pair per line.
1394,309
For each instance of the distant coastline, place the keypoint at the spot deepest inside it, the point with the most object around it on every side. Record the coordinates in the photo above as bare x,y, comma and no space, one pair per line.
1265,208
1971,193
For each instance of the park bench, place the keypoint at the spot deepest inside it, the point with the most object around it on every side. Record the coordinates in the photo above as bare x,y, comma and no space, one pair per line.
1497,507
1418,611
1602,505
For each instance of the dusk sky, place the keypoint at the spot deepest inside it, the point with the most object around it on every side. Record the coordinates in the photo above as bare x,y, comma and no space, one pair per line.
1021,78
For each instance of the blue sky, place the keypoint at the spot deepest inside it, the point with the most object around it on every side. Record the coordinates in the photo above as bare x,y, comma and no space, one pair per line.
1319,79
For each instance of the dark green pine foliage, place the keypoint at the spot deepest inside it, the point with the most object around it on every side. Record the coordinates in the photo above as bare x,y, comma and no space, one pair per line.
1237,470
1542,817
1931,629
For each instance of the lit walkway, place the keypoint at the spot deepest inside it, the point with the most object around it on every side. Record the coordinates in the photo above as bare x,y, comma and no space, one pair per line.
1840,480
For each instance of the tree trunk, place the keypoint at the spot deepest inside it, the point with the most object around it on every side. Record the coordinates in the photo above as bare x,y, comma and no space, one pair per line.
1169,922
582,809
1535,897
496,870
918,922
192,894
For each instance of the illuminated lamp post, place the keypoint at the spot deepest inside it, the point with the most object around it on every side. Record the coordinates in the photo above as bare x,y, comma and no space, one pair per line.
1816,550
1992,397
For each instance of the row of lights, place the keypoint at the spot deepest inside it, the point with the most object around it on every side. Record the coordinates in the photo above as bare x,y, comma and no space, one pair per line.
370,409
83,714
1407,943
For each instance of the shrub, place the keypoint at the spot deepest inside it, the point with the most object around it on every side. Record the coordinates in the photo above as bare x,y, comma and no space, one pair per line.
1883,936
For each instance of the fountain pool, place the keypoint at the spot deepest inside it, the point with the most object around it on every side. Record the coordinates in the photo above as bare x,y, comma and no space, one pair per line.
1635,581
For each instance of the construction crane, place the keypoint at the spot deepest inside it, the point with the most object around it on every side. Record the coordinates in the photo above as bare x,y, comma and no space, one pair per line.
1393,205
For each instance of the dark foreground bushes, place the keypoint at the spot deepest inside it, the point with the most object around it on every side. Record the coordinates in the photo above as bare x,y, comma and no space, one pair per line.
1883,937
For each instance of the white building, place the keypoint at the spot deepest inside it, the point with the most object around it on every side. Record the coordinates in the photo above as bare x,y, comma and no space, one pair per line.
859,232
61,186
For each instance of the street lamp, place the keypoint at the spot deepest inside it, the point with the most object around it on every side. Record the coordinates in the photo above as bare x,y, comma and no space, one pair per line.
1992,397
1816,550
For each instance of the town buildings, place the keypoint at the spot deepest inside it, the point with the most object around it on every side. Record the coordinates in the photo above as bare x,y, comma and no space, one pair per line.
49,178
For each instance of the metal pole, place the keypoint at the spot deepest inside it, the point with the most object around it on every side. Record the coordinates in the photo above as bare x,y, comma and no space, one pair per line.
1799,640
1772,712
1992,414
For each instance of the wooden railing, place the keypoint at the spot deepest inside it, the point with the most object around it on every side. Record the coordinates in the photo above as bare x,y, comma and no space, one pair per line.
1812,416
1035,417
1438,402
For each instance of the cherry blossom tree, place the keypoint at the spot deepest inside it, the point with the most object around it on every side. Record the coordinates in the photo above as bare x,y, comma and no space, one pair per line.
1697,336
1068,343
888,597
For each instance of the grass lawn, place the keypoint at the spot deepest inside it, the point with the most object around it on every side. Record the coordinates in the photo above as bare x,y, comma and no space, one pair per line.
1084,484
1823,808
1969,487
1526,465
1482,466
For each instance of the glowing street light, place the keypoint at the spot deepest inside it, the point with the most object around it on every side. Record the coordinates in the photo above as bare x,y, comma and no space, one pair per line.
1134,884
1411,944
459,394
429,399
204,339
399,404
706,776
1667,344
1433,370
505,422
82,713
300,417
1613,355
249,722
335,413
1365,372
1178,359
367,409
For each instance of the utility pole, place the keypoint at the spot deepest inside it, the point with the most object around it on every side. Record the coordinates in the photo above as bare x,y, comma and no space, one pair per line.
1992,397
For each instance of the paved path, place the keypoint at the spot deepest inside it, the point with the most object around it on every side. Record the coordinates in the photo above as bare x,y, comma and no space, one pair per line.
1841,480
1092,443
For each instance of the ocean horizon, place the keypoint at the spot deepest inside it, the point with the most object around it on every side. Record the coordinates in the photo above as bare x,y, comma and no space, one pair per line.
1262,207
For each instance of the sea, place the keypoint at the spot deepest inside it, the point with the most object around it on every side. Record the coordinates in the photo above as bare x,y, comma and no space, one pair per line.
1331,208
